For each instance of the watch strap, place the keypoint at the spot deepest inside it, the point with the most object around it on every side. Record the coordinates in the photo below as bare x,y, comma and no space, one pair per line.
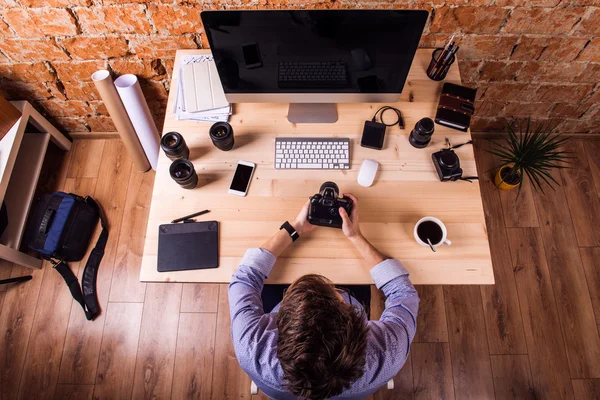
290,229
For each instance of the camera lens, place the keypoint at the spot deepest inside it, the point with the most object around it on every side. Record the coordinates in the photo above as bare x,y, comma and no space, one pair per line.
221,134
174,146
420,136
329,185
449,159
182,171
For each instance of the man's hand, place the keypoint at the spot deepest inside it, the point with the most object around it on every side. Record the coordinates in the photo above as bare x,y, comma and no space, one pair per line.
301,224
350,225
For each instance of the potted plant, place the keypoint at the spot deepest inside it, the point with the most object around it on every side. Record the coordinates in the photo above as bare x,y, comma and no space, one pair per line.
532,153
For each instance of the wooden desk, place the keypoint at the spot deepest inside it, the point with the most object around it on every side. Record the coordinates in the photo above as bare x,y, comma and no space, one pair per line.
406,189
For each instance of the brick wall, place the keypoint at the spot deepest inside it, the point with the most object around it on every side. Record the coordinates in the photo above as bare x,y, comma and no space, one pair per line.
533,57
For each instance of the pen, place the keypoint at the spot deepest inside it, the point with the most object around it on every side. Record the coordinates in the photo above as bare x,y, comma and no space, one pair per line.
189,216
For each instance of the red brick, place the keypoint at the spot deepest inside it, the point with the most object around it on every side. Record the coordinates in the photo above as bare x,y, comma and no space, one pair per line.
169,64
564,93
160,46
548,48
98,107
542,20
153,90
70,124
26,72
3,59
92,48
60,108
37,22
593,112
590,24
550,72
591,73
568,110
429,41
527,109
16,90
32,50
56,89
578,126
5,31
468,2
487,124
158,109
8,3
468,19
499,71
530,3
591,52
489,108
81,90
483,47
77,70
507,92
175,19
148,69
129,18
55,3
100,124
469,70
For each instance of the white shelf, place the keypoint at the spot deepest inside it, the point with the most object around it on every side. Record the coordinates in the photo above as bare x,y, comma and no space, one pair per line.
22,184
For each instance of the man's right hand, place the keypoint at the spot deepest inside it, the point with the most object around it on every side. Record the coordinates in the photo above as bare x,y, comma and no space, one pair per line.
350,225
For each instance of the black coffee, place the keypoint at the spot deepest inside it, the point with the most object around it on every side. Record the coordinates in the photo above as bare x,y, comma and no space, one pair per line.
430,230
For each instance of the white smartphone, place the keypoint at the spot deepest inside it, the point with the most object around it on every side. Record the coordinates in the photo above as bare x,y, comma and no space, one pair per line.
241,178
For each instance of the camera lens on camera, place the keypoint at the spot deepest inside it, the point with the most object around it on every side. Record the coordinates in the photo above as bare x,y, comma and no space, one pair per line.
221,134
174,146
449,159
421,134
183,172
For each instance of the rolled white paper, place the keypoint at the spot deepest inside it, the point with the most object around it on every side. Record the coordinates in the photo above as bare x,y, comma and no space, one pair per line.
137,109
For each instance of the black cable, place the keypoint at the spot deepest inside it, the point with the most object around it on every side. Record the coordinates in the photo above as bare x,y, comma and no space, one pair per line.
382,110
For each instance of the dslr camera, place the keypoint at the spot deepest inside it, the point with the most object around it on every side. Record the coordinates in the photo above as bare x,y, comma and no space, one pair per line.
324,206
447,165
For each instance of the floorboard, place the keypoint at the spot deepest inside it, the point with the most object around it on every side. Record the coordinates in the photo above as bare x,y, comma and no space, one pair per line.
195,356
500,303
582,196
588,389
592,149
512,377
73,392
230,382
547,356
116,365
86,158
590,256
468,345
431,320
158,340
200,297
432,371
569,283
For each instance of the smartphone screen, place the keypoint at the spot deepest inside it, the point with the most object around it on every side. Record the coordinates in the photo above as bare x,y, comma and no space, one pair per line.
241,178
251,55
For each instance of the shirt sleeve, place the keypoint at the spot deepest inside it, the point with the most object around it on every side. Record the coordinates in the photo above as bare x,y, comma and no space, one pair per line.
245,304
398,323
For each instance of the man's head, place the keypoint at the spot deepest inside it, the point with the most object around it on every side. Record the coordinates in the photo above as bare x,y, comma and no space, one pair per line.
322,340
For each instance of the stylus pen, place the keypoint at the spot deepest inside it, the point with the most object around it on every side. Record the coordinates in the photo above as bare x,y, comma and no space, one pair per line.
189,216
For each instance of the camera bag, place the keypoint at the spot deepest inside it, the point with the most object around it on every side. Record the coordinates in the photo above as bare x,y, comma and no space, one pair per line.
60,229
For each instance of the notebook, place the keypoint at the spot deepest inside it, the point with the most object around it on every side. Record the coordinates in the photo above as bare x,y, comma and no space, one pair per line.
186,246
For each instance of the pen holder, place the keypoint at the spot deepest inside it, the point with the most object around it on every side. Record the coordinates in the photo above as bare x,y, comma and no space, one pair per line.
437,69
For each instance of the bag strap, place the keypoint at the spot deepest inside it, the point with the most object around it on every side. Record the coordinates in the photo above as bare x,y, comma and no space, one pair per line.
42,233
86,294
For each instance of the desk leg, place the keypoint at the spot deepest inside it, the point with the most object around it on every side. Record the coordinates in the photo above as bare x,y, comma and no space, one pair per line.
14,256
58,138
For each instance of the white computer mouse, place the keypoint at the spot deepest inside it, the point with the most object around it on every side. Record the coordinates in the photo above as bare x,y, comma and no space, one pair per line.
367,173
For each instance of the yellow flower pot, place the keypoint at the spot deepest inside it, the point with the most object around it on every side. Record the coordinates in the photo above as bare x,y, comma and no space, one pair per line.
500,183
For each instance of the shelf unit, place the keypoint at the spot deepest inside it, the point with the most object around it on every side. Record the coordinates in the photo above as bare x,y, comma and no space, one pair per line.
21,157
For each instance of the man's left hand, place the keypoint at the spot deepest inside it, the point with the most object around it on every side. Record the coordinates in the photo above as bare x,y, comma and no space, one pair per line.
301,224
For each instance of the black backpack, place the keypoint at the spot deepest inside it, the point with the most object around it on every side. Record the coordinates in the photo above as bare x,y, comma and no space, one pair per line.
60,229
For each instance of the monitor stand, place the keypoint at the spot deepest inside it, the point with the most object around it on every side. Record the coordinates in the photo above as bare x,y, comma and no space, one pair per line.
312,113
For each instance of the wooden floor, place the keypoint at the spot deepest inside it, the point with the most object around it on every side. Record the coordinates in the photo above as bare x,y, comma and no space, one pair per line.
533,335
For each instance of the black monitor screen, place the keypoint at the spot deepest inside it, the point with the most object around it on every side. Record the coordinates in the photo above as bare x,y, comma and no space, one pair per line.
314,51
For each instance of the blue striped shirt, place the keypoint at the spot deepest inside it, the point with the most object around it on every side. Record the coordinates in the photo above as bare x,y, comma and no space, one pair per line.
254,332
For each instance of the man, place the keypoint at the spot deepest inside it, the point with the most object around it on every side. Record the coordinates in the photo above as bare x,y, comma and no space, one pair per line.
317,343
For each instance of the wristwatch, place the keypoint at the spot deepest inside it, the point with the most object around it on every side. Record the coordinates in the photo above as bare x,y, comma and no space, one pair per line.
290,229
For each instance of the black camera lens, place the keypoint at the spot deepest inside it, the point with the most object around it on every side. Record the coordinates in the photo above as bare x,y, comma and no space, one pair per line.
449,159
182,171
329,189
420,136
174,146
221,134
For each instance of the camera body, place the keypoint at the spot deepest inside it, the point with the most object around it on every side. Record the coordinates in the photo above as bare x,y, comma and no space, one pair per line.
447,165
324,206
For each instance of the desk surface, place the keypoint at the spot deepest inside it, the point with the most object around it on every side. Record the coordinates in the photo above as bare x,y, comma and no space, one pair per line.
406,188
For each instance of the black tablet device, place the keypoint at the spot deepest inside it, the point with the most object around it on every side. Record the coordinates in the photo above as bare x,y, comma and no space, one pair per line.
185,246
373,135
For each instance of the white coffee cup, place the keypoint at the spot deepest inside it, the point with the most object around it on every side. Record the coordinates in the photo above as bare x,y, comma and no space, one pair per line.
440,224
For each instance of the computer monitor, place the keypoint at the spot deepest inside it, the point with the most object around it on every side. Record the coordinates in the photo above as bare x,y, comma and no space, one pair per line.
313,59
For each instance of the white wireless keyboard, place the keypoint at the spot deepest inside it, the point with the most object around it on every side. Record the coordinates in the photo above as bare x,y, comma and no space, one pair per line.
312,153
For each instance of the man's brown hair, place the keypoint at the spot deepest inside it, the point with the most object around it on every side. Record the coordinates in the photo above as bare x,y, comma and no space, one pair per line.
322,341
